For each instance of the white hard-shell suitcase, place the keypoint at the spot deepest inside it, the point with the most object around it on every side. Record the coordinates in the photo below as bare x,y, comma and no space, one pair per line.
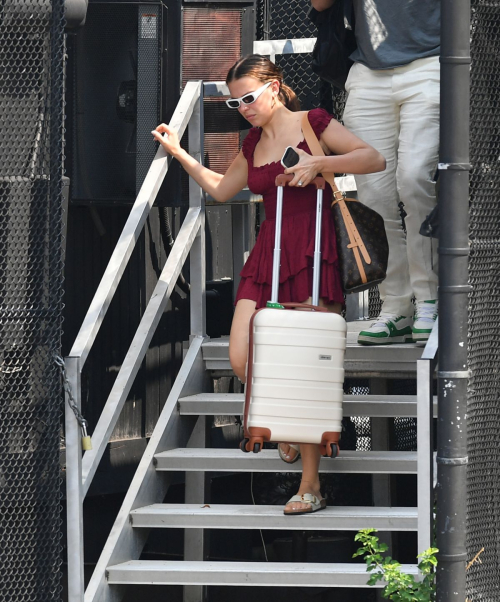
295,370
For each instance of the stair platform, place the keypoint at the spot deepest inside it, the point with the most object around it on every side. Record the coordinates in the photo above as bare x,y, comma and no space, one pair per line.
374,406
389,361
220,516
234,460
267,574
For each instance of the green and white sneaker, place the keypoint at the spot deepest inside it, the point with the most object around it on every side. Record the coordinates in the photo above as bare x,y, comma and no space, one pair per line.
387,330
425,316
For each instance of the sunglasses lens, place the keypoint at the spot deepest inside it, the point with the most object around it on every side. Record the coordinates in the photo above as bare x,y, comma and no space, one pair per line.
248,99
233,104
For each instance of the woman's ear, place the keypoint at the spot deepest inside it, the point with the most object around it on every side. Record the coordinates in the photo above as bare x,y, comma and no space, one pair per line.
276,87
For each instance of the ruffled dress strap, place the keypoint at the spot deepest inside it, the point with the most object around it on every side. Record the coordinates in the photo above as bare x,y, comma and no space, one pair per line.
319,120
250,143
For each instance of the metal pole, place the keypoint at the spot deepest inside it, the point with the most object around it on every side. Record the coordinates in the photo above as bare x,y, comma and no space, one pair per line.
426,366
453,298
275,283
317,247
74,491
196,132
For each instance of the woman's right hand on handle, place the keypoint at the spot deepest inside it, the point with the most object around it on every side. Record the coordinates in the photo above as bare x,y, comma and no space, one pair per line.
170,141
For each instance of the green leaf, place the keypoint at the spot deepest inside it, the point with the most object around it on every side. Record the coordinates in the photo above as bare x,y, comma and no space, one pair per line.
400,587
374,578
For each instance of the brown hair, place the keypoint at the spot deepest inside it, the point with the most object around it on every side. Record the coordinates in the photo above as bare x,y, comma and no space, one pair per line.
261,68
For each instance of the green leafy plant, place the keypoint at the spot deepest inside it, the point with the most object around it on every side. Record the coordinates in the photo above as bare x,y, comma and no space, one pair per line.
400,587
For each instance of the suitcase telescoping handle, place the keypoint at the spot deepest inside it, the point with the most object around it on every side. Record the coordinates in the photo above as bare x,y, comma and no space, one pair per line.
281,181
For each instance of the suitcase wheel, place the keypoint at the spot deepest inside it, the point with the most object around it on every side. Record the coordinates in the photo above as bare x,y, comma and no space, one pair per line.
334,450
330,450
243,445
256,447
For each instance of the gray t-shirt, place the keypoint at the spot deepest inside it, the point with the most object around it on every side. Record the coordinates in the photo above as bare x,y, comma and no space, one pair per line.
391,33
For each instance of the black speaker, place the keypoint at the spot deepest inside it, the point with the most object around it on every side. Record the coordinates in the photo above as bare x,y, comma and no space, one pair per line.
116,66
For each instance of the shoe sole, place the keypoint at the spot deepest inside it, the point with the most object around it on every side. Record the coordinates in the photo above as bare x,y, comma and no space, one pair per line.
367,340
420,337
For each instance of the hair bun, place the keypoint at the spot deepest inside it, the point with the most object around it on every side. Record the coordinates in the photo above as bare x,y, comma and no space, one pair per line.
262,69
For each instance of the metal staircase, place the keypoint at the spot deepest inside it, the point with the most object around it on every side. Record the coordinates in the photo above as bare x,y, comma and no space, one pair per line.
179,443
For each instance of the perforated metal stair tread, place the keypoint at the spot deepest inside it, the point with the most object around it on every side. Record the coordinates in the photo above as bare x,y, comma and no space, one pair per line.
359,359
162,572
231,404
221,516
234,460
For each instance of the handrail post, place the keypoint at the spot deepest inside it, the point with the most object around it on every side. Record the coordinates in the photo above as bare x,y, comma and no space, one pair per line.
74,492
197,199
426,366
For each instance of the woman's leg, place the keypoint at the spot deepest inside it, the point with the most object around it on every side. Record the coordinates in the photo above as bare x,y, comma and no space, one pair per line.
238,339
310,457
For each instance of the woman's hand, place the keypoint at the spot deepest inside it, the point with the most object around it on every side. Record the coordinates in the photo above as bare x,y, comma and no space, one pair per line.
170,142
304,171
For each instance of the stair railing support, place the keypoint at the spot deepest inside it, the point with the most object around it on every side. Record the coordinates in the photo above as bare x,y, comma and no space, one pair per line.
196,482
197,199
74,489
426,366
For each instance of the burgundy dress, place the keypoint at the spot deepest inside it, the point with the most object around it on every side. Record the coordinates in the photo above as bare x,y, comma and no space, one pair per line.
297,233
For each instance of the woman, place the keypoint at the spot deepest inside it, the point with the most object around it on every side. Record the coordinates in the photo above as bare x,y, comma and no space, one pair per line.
272,108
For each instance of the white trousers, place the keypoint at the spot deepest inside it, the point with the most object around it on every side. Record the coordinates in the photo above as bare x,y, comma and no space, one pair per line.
397,112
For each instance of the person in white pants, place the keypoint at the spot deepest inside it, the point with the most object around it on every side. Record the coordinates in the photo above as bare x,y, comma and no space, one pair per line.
393,104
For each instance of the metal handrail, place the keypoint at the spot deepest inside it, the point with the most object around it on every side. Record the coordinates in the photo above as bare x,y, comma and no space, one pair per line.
190,240
132,229
140,343
288,46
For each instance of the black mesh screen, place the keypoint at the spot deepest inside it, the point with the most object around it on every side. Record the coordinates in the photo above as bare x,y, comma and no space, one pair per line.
374,302
278,20
31,142
483,527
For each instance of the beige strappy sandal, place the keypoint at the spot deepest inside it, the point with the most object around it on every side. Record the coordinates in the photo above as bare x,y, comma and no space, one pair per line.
314,502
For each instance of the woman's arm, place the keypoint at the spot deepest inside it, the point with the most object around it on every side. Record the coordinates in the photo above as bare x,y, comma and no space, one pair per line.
350,155
320,5
220,187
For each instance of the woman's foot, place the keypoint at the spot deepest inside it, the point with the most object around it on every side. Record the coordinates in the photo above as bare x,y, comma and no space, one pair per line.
288,452
307,500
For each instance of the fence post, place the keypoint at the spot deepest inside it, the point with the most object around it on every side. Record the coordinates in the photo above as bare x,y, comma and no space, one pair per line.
74,491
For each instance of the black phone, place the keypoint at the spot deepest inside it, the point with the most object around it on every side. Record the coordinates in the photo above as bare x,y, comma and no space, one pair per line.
290,157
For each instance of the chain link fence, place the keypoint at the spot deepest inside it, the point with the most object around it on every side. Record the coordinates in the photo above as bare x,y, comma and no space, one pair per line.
483,527
31,101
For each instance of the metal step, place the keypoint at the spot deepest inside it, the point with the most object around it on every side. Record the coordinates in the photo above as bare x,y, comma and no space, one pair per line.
278,574
333,518
234,460
361,361
376,406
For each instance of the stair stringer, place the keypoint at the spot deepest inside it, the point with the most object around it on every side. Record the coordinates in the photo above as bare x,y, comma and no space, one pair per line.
148,486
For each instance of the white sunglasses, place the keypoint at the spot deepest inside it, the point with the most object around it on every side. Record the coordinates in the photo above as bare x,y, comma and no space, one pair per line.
248,99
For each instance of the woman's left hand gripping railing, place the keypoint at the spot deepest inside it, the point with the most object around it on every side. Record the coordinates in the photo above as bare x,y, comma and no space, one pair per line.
80,471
